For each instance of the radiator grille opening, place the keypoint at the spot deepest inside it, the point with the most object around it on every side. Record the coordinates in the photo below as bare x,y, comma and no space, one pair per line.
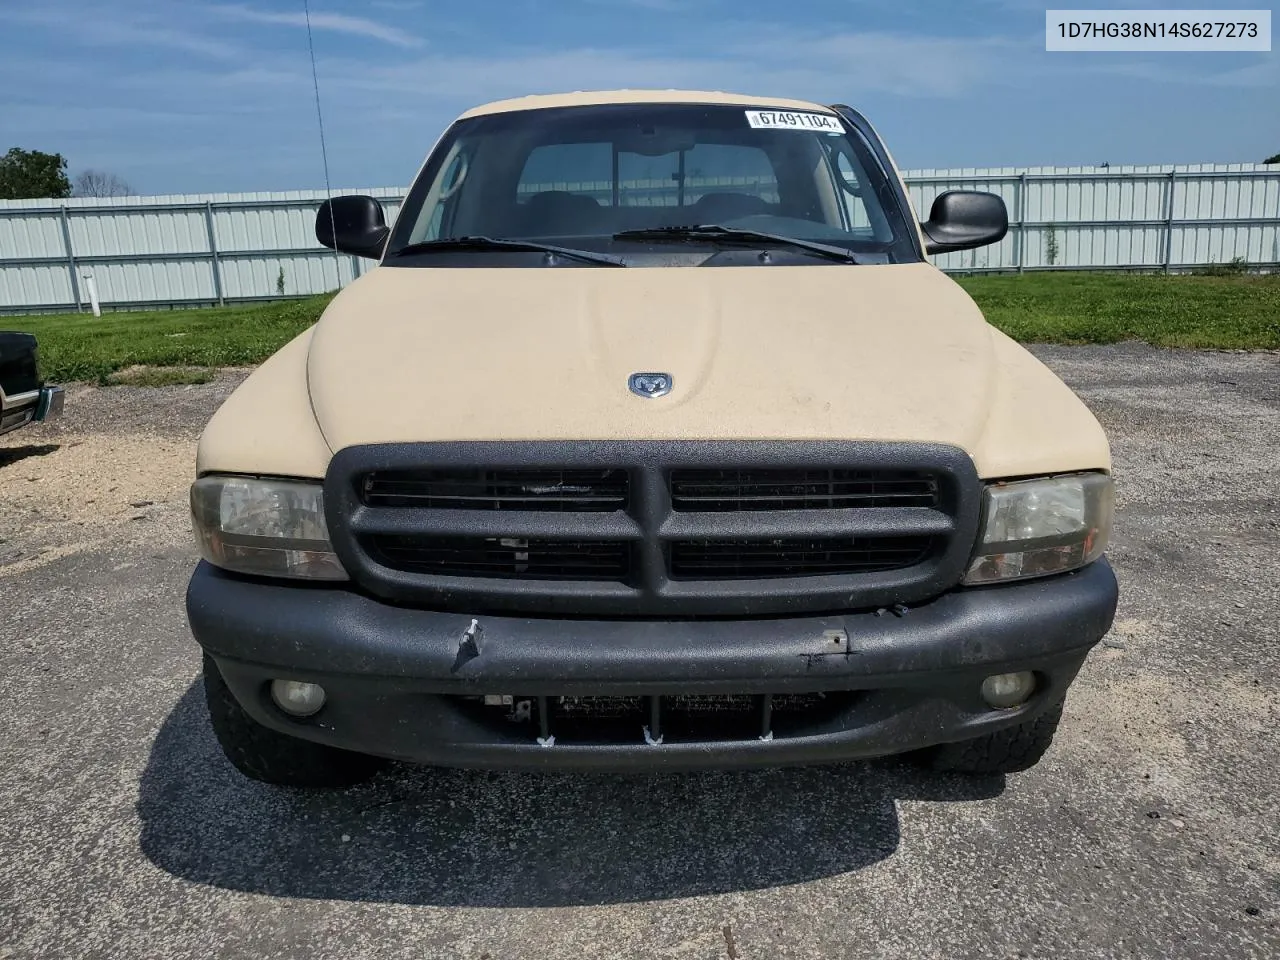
593,719
502,557
671,718
560,490
762,488
669,529
798,557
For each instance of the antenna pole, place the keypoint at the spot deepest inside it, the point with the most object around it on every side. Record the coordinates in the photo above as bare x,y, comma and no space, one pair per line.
324,153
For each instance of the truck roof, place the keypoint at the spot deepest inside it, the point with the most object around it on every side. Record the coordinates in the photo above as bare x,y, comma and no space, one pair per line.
587,97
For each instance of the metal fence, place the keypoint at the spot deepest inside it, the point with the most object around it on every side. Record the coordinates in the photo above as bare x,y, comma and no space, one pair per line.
155,252
1121,218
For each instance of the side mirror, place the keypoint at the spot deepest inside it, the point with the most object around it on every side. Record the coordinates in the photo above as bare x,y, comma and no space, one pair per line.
354,225
964,219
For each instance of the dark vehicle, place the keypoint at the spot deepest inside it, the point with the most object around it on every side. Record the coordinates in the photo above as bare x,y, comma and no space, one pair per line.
23,398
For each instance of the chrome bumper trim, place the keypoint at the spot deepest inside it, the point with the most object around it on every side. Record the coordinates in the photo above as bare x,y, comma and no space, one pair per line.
50,403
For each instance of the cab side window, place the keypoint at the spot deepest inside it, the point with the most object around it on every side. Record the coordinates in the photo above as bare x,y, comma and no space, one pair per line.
442,201
849,182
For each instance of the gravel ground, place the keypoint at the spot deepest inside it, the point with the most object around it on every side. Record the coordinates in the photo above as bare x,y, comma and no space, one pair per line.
1150,830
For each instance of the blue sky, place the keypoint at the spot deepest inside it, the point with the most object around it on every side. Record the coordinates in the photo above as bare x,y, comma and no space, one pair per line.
187,96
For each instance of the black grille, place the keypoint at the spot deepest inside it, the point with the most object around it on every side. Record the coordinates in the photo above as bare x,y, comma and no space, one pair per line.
731,703
504,557
505,489
807,557
653,528
713,491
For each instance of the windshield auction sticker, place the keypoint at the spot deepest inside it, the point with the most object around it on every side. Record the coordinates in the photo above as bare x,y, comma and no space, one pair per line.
782,120
1157,31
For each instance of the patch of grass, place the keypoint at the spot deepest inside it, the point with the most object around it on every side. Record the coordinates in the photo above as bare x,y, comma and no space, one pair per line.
143,376
1227,310
80,347
1235,265
1223,311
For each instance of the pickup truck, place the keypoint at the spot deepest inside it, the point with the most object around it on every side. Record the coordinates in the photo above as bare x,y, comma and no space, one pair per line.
654,441
24,397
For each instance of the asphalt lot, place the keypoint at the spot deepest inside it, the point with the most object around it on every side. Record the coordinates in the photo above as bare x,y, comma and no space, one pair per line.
1152,829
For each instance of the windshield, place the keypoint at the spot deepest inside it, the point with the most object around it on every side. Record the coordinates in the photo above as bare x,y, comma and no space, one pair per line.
578,177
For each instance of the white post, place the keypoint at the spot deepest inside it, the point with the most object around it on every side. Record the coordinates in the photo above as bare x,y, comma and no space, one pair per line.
92,286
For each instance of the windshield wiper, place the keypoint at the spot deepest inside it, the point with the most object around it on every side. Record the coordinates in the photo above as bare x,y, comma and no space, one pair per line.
714,233
494,243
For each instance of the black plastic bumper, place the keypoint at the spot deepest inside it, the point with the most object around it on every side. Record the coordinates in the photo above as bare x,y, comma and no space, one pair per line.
396,677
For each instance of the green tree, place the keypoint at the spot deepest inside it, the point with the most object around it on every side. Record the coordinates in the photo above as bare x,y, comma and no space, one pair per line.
1275,158
29,174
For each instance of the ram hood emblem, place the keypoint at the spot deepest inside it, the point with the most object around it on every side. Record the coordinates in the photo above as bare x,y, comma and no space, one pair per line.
650,384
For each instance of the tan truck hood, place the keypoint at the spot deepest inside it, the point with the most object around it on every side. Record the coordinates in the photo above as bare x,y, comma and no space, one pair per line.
875,353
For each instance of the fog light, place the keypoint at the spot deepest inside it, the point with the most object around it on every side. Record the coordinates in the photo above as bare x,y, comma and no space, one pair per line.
1005,690
296,698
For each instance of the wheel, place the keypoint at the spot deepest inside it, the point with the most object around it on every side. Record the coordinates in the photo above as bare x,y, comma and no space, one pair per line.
261,753
1010,750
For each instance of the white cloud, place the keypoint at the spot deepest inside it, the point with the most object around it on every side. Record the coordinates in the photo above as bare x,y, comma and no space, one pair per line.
179,40
125,28
829,67
898,63
1265,72
333,22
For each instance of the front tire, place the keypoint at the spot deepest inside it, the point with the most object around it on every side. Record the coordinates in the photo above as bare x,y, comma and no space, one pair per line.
262,754
1010,750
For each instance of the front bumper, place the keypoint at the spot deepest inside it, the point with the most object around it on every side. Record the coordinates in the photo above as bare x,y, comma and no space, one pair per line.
32,407
398,680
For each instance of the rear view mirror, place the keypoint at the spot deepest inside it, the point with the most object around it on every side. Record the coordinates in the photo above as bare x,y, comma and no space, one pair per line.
354,225
653,141
964,219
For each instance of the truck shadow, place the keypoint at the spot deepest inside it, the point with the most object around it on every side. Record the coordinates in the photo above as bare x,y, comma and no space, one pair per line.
12,455
459,838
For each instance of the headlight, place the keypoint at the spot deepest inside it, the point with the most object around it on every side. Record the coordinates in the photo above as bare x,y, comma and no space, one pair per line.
272,528
1032,528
